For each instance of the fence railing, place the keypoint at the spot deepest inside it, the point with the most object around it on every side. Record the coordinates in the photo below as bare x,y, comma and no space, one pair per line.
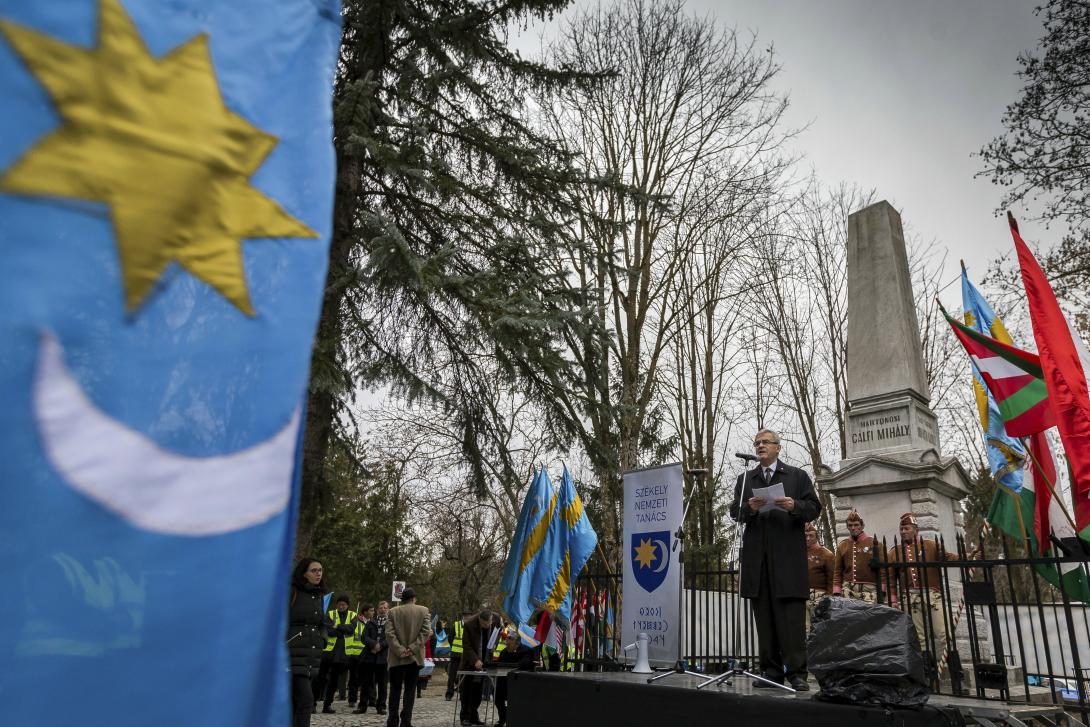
992,624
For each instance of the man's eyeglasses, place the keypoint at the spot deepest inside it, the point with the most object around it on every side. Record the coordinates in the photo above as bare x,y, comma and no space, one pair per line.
759,442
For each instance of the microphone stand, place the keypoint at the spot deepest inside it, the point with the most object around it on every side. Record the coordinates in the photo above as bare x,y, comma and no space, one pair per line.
679,545
738,667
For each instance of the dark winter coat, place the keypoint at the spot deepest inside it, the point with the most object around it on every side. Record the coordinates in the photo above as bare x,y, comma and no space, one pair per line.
306,630
776,536
374,633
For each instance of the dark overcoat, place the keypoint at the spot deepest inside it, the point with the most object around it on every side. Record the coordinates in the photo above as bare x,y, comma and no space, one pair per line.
777,534
306,630
375,634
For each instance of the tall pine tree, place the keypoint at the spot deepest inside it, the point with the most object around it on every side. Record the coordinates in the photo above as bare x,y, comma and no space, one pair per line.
448,207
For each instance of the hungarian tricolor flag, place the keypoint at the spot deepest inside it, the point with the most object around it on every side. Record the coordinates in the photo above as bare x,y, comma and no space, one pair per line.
1064,363
1013,376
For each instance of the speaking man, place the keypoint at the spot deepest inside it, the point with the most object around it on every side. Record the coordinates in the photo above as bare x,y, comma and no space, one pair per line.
774,571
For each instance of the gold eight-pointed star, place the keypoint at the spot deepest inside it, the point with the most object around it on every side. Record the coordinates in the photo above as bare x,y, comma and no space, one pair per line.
645,553
151,138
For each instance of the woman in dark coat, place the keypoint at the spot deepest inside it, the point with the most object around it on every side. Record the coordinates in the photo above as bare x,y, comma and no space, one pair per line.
306,635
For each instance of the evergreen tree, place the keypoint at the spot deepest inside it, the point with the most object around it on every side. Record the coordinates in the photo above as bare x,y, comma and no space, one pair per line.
447,203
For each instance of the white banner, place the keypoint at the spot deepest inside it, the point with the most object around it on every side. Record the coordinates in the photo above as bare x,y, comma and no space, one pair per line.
653,506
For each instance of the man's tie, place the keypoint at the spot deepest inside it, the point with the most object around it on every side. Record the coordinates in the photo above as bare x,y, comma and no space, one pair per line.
767,475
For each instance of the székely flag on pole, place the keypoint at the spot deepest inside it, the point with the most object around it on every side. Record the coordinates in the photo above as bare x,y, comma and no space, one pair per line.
527,543
166,196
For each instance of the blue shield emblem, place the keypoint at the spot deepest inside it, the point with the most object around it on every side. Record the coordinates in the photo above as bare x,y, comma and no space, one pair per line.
650,554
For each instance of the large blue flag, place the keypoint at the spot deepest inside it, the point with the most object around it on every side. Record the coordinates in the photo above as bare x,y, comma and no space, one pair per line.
524,556
533,508
579,541
166,185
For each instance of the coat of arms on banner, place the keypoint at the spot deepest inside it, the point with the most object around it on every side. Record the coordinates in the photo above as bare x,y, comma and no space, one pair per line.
650,558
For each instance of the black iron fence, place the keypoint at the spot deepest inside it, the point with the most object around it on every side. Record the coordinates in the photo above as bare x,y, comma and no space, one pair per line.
993,623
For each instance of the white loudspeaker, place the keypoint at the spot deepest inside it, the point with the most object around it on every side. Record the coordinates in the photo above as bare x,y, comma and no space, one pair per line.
643,645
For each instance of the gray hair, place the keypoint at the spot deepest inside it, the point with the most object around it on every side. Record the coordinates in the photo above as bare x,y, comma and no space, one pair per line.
768,431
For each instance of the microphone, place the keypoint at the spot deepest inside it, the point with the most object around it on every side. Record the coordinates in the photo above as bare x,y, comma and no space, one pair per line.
747,457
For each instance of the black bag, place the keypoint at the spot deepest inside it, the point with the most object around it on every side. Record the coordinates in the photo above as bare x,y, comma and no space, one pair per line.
866,653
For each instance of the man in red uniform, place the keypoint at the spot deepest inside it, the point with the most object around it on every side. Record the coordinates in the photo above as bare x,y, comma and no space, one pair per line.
921,587
853,575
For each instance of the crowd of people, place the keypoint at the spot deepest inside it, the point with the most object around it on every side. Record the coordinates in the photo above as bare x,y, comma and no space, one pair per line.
367,654
784,569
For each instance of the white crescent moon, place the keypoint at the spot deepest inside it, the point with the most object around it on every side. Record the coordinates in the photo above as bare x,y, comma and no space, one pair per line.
151,487
665,559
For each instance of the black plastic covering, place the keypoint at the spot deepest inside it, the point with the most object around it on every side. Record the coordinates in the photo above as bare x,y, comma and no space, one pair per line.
866,653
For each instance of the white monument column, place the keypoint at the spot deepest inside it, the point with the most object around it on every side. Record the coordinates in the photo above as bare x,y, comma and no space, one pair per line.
894,460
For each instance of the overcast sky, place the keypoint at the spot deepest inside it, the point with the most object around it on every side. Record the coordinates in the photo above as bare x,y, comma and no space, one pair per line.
898,94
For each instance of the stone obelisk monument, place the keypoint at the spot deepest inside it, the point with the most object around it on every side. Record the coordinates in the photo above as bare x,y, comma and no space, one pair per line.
894,460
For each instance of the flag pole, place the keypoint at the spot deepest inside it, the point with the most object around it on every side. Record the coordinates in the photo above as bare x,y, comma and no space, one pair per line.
1048,482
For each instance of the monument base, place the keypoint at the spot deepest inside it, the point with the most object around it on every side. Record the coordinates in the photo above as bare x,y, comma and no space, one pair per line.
883,487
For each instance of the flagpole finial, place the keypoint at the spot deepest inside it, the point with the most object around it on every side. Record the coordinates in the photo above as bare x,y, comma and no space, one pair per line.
962,265
1011,221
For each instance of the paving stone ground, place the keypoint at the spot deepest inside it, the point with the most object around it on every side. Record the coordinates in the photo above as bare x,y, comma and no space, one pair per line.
430,710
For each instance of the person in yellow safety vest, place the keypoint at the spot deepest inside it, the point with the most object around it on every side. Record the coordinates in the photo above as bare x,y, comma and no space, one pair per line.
501,642
355,651
456,630
339,629
569,659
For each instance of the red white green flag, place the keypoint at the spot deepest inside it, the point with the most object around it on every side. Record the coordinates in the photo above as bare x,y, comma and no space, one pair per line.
1064,363
1013,376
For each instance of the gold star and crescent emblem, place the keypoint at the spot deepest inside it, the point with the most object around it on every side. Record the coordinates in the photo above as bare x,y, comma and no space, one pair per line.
645,553
151,138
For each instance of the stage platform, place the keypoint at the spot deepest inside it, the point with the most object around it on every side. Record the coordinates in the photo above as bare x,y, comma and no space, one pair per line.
605,699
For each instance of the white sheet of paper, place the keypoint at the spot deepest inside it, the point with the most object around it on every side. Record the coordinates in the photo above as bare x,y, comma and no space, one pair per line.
770,494
496,633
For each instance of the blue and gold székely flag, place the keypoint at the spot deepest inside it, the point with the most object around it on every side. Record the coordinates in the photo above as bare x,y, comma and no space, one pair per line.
166,188
527,543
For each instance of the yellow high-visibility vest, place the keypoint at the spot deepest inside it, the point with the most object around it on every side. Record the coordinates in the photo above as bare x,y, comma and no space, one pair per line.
456,642
331,641
353,645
